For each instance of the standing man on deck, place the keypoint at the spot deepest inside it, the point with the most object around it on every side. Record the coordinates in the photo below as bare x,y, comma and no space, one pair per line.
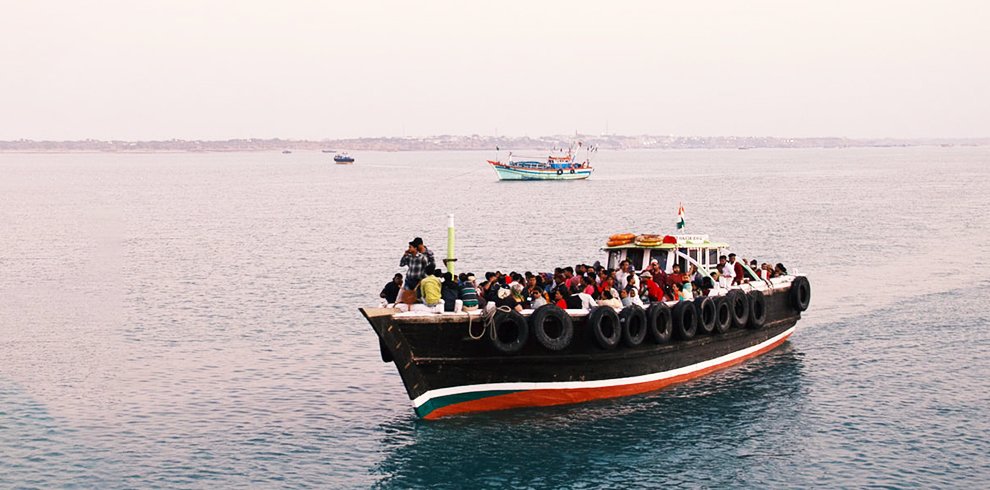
737,270
417,258
725,274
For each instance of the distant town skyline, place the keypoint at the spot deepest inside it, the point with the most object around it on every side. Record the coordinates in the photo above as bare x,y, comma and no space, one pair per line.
219,70
476,142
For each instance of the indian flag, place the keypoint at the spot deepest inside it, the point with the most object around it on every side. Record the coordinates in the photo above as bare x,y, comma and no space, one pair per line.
680,216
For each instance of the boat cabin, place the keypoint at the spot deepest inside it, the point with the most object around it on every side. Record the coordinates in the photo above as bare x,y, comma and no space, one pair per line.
675,249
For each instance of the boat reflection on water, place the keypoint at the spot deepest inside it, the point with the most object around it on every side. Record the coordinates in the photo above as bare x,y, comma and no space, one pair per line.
694,433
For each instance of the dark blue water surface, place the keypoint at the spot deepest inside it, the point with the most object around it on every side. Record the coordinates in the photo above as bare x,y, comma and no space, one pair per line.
190,320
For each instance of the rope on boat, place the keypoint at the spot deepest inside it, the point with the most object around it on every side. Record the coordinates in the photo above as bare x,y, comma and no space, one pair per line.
488,320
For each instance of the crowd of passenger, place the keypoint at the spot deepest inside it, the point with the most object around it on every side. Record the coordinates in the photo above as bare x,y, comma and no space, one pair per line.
579,287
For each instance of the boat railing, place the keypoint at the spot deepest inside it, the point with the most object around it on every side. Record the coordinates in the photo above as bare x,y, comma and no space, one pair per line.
766,287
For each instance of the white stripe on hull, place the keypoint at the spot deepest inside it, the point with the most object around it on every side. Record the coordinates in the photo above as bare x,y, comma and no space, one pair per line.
526,174
563,385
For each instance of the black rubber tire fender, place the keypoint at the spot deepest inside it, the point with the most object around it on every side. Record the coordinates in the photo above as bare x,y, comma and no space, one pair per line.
572,170
605,326
800,294
560,172
706,315
511,332
723,315
738,307
757,309
660,322
634,325
685,316
552,327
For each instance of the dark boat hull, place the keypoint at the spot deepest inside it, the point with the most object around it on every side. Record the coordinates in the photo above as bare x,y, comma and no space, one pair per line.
446,372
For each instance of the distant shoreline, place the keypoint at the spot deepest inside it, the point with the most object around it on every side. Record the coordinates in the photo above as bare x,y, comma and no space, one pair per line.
470,143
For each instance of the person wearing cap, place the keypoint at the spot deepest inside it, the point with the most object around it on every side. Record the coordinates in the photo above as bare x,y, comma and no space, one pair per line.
417,258
653,290
659,275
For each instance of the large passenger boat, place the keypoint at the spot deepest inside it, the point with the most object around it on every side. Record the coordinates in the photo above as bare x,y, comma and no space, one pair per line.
454,363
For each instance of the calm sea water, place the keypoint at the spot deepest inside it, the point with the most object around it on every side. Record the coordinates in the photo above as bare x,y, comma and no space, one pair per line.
190,320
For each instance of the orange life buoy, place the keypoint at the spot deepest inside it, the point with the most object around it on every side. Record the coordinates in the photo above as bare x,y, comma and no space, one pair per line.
622,237
649,240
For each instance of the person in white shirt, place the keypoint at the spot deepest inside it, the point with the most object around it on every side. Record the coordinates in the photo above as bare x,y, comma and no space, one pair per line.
686,293
537,301
634,298
634,280
622,275
587,302
727,272
610,301
624,298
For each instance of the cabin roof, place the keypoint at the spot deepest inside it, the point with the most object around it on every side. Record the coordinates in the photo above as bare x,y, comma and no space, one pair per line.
683,241
668,246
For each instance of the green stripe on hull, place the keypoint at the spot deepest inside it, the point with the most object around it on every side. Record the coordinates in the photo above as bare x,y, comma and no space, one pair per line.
443,401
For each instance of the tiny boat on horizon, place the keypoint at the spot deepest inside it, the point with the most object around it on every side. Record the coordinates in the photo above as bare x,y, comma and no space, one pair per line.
343,158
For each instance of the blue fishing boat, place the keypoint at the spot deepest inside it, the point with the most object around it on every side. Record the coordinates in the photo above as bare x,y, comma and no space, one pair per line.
343,158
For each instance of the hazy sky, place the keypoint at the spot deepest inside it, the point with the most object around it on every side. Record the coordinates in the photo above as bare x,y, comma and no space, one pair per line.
292,69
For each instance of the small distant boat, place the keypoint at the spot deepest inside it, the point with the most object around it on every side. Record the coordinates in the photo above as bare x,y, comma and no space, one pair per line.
328,151
286,152
343,158
555,167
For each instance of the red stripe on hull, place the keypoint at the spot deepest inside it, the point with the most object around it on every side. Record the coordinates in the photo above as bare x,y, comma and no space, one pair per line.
550,397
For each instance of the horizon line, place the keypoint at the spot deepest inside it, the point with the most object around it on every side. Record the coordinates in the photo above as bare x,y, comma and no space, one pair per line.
494,137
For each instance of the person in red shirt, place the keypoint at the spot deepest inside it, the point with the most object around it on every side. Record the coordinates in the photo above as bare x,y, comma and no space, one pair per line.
659,276
675,278
653,290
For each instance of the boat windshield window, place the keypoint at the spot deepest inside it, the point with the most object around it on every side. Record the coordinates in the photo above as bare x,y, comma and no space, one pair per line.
660,256
635,257
613,259
712,256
